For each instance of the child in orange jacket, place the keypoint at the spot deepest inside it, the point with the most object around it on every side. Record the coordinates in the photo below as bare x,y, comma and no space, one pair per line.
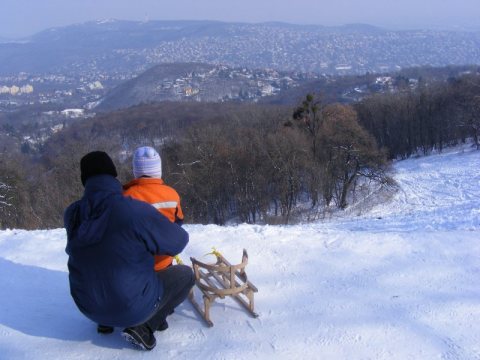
148,186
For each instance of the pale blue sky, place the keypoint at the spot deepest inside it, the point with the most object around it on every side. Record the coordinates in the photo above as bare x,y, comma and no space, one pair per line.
25,17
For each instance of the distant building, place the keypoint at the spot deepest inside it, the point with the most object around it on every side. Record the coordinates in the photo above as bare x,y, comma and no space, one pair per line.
15,90
96,85
343,67
191,91
26,89
73,113
267,90
383,80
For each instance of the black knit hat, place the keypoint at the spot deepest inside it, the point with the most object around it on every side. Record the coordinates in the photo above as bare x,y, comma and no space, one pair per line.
96,163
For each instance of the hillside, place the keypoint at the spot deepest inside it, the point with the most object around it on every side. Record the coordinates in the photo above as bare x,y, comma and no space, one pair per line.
195,82
399,282
199,83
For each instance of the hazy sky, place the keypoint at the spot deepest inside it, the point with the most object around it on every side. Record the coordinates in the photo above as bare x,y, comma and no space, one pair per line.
25,17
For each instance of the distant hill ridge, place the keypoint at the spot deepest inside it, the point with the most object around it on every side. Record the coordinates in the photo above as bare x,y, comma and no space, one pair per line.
199,82
129,47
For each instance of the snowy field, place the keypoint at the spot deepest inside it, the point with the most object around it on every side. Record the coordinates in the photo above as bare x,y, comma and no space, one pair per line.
400,282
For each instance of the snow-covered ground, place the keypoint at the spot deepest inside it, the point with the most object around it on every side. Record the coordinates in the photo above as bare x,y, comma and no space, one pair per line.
400,282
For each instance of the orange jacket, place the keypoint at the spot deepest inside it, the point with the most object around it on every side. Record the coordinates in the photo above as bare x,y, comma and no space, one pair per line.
164,198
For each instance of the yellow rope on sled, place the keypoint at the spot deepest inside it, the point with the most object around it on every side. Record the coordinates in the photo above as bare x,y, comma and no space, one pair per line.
214,252
178,260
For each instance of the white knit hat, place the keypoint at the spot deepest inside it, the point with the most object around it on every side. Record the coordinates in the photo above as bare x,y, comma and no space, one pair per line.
147,162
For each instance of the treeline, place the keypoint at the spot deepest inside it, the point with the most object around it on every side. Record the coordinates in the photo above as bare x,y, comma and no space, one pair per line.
262,167
427,118
247,163
240,163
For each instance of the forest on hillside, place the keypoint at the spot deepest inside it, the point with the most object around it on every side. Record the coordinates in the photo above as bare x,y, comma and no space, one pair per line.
255,163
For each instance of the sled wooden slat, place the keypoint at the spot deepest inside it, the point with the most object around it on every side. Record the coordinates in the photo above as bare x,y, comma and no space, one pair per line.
242,276
247,305
220,280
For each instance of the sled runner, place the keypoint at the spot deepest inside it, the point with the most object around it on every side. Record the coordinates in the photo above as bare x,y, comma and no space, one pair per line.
220,280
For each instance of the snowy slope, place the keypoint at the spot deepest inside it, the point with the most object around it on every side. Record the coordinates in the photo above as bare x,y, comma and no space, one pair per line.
401,282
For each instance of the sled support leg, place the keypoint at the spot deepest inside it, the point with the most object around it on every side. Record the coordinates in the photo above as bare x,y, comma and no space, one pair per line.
220,280
202,311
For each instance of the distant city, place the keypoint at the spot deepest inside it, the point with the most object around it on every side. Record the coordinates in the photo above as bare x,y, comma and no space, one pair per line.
78,66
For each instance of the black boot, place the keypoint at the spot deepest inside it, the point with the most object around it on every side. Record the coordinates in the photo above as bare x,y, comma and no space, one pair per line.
163,326
140,336
104,329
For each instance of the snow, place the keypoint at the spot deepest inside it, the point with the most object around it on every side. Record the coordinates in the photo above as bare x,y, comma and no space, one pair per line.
399,282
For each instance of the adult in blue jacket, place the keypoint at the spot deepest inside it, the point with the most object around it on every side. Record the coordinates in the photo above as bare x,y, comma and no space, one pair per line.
111,243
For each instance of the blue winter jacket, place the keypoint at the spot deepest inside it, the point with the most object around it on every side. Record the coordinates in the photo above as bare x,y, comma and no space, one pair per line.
111,241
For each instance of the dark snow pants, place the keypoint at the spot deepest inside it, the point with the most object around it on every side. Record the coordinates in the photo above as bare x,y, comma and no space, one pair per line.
177,281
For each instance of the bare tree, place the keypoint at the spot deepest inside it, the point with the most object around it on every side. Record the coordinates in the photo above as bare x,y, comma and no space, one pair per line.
287,158
348,150
309,117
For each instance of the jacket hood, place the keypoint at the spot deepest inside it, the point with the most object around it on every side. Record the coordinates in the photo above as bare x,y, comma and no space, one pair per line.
86,220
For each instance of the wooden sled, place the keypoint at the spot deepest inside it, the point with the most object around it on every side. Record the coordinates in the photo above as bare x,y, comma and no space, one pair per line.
220,280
